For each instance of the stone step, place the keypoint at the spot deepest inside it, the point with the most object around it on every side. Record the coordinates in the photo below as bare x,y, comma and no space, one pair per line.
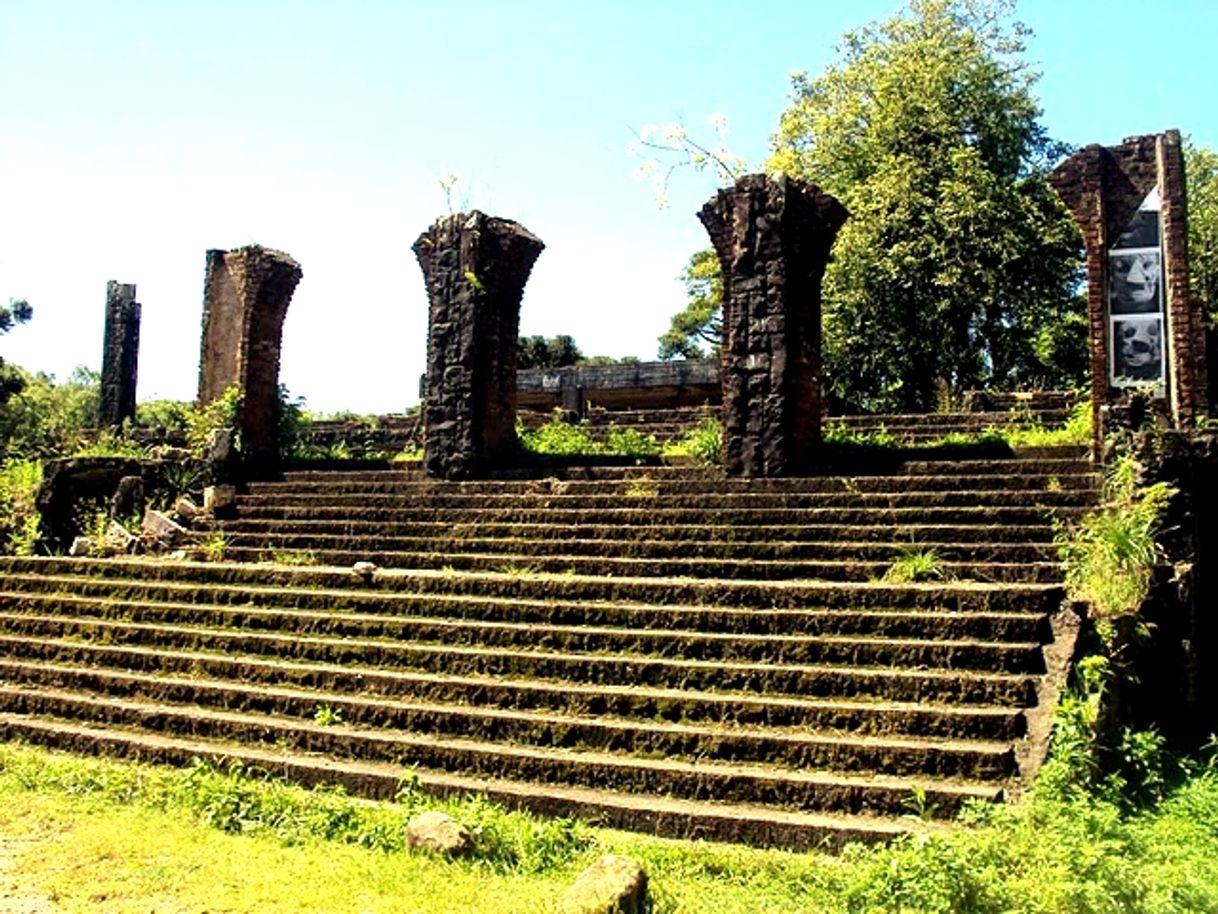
1015,416
413,643
659,516
65,642
872,717
522,562
788,747
910,535
725,502
947,596
641,488
878,462
805,790
660,815
274,538
343,612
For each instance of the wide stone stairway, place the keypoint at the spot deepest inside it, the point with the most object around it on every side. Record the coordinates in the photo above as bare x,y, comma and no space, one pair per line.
650,647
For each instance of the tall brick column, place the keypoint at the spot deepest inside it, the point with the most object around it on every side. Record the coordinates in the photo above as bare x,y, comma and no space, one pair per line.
1103,187
120,355
772,236
245,299
475,267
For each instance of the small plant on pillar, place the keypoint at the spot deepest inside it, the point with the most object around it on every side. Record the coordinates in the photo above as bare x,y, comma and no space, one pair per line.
667,148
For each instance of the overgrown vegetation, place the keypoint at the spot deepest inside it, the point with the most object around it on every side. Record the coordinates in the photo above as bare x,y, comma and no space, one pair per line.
1137,841
19,482
565,439
703,442
915,564
1110,554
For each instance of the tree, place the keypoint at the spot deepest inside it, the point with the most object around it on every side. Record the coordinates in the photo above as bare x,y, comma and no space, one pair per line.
701,321
1201,180
12,382
540,352
958,267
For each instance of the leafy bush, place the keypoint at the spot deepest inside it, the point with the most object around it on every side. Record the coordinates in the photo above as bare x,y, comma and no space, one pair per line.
19,482
1110,555
46,419
558,438
704,442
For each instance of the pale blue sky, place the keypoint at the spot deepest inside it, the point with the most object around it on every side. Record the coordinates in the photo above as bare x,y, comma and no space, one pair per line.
134,135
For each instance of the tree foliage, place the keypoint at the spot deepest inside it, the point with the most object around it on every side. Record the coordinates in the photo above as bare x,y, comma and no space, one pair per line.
542,352
700,323
1201,170
958,267
12,381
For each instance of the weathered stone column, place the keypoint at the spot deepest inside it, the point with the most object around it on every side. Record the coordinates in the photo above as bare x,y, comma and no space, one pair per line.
245,299
475,267
1125,228
120,355
773,236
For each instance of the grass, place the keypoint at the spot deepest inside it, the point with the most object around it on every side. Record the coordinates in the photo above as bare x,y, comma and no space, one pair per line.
19,522
562,439
124,837
1110,554
915,565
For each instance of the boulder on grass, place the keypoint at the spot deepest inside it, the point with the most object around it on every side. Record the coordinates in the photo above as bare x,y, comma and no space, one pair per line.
119,540
218,499
81,545
438,833
611,885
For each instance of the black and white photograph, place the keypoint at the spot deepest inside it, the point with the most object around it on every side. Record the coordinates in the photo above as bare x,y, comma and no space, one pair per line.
1134,282
1142,231
1137,349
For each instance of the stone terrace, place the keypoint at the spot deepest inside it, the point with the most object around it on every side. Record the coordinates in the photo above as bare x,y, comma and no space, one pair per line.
653,647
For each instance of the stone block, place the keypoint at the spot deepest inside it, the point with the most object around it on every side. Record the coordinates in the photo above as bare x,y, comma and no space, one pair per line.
218,499
612,885
160,532
438,833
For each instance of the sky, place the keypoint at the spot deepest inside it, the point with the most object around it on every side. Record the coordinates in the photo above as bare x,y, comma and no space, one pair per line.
137,134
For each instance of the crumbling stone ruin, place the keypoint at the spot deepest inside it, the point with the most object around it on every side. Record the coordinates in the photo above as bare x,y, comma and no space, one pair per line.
245,300
475,267
120,355
1146,332
772,235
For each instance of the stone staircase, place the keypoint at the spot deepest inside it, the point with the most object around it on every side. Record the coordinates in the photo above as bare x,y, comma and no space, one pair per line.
651,647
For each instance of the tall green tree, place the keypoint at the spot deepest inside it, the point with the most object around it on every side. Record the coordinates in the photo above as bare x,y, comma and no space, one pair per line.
958,266
1201,179
12,381
696,331
547,352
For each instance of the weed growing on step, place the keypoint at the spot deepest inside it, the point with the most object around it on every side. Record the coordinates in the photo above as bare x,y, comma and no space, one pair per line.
327,716
1110,554
19,525
840,433
517,571
294,557
704,442
642,487
408,454
915,565
215,546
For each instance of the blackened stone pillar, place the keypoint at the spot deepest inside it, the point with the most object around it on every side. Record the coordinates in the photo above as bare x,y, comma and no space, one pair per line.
772,235
475,267
245,299
1145,330
120,356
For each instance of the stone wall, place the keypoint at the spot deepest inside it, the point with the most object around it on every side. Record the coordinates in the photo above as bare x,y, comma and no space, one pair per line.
245,300
120,355
475,267
1103,188
772,236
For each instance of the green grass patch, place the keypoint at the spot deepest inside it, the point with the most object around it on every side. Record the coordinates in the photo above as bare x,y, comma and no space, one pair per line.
125,837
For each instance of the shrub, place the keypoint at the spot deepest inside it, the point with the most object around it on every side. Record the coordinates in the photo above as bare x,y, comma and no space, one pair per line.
19,522
1110,555
704,442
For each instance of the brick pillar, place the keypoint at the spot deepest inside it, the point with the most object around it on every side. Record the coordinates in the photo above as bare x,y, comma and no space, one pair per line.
475,267
1103,187
120,355
772,236
245,299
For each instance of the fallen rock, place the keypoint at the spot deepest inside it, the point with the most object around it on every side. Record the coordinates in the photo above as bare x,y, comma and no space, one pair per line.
119,540
185,508
81,545
611,885
364,571
161,532
219,498
438,833
128,499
